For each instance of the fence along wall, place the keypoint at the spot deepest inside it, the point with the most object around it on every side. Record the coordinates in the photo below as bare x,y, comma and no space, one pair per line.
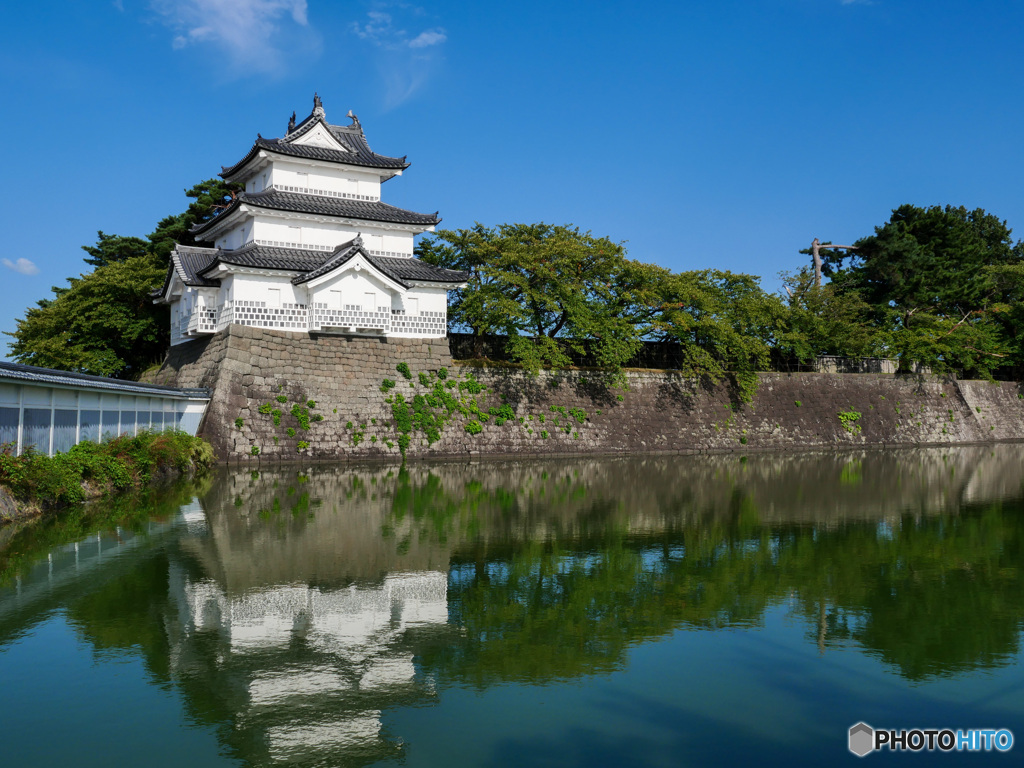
51,411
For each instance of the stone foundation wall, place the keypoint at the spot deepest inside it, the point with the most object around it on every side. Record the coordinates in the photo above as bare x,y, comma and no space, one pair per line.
658,411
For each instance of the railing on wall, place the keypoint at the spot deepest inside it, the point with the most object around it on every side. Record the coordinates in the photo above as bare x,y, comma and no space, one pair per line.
315,317
349,316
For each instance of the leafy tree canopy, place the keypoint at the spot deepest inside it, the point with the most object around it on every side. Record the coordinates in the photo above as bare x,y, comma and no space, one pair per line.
822,320
209,197
927,276
554,289
111,248
547,288
105,323
723,321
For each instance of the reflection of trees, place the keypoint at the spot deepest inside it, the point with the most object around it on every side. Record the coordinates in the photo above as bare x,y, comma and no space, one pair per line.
929,595
20,545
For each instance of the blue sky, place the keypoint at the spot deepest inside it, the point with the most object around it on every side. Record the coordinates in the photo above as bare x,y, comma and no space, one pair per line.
720,134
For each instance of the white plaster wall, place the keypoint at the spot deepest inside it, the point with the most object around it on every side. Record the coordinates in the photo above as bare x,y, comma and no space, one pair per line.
431,299
256,288
236,237
397,242
207,297
353,287
260,180
328,177
227,289
331,235
176,336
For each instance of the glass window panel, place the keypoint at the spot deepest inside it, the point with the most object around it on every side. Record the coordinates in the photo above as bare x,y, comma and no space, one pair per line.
128,422
109,424
65,424
158,421
8,425
90,426
36,432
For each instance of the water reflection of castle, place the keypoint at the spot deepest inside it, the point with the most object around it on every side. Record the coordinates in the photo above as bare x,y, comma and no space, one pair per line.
312,667
309,606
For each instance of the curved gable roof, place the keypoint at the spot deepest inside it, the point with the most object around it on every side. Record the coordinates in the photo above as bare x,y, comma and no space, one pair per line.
349,136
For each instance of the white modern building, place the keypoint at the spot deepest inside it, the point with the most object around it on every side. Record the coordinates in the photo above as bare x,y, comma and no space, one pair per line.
309,246
51,411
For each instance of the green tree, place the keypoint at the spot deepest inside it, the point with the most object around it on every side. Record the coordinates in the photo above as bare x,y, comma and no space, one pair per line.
111,248
550,290
821,320
210,197
104,324
925,274
724,322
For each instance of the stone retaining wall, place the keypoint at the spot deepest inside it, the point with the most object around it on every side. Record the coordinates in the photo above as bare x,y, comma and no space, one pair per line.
247,368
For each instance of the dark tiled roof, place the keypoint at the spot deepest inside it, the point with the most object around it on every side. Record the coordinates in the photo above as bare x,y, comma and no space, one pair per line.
350,137
340,255
81,380
337,206
323,206
408,268
270,257
188,261
193,260
313,264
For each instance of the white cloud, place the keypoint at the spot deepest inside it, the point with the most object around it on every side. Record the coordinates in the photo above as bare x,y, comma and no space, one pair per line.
405,59
22,266
427,38
381,29
254,33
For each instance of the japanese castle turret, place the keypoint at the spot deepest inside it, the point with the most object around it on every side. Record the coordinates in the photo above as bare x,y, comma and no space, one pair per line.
307,245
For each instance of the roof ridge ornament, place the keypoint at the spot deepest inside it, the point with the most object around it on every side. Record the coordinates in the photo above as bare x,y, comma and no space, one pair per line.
318,106
355,120
291,123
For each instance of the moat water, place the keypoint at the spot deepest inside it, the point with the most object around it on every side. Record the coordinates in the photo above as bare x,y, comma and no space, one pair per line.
645,612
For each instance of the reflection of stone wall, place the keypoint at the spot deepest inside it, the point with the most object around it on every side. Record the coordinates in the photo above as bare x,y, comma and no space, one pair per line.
323,527
358,524
660,411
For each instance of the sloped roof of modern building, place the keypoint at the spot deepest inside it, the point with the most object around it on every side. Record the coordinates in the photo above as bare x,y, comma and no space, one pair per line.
339,207
350,137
